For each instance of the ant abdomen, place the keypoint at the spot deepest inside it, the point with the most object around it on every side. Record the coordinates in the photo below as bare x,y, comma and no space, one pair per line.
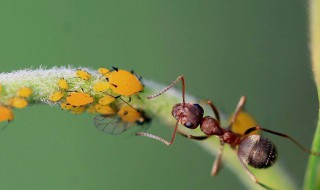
188,114
257,151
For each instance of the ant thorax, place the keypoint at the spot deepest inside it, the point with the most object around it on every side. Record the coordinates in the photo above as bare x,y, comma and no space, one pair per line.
188,114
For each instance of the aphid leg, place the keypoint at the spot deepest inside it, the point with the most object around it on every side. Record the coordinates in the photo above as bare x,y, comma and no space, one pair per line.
251,174
217,162
170,86
240,105
256,128
159,138
215,110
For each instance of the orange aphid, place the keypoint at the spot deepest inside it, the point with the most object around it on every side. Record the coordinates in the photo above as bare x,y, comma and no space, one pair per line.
103,71
79,99
107,110
129,114
243,122
83,74
18,102
106,100
124,82
56,96
65,106
101,86
24,92
6,114
78,109
63,84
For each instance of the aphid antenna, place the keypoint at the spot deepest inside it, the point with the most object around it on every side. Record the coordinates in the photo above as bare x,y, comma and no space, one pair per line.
304,149
115,68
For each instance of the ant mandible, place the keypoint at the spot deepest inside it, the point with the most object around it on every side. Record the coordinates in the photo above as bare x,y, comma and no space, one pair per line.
252,149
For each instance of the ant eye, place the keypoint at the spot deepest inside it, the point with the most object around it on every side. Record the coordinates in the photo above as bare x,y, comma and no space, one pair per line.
198,107
188,124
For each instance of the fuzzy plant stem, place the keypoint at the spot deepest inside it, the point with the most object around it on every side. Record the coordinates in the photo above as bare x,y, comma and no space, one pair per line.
44,82
312,178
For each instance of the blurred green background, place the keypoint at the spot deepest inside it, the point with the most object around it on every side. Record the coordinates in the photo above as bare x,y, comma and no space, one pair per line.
225,49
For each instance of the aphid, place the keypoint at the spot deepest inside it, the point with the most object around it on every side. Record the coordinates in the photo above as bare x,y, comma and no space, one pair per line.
0,88
103,109
6,114
83,74
119,122
79,99
124,82
63,84
65,106
24,92
103,71
18,102
101,86
252,149
107,99
56,96
77,109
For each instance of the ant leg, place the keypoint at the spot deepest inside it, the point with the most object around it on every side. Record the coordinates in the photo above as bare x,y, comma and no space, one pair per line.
251,174
215,110
198,138
256,128
240,105
159,138
170,86
217,162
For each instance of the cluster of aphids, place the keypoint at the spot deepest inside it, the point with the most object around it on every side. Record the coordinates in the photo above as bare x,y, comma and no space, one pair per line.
109,96
19,100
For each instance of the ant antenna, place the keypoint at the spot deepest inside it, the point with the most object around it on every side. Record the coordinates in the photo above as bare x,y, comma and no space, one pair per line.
256,128
239,107
181,77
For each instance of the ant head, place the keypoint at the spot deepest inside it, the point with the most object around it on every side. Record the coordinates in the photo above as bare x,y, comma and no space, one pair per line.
211,126
257,151
189,115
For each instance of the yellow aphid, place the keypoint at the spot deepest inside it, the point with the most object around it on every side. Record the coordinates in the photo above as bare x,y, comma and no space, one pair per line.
77,109
56,96
83,74
18,102
106,110
79,99
24,92
63,84
66,106
6,114
129,114
103,71
101,86
124,82
91,109
243,122
106,100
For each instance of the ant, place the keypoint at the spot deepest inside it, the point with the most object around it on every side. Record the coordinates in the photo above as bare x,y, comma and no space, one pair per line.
252,149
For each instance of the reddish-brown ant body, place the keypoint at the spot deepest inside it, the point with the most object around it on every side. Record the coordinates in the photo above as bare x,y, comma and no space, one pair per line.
252,149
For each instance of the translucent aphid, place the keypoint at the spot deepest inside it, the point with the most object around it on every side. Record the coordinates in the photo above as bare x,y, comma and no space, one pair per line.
18,102
117,123
79,99
101,86
107,99
56,96
63,84
83,74
124,82
24,92
6,114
